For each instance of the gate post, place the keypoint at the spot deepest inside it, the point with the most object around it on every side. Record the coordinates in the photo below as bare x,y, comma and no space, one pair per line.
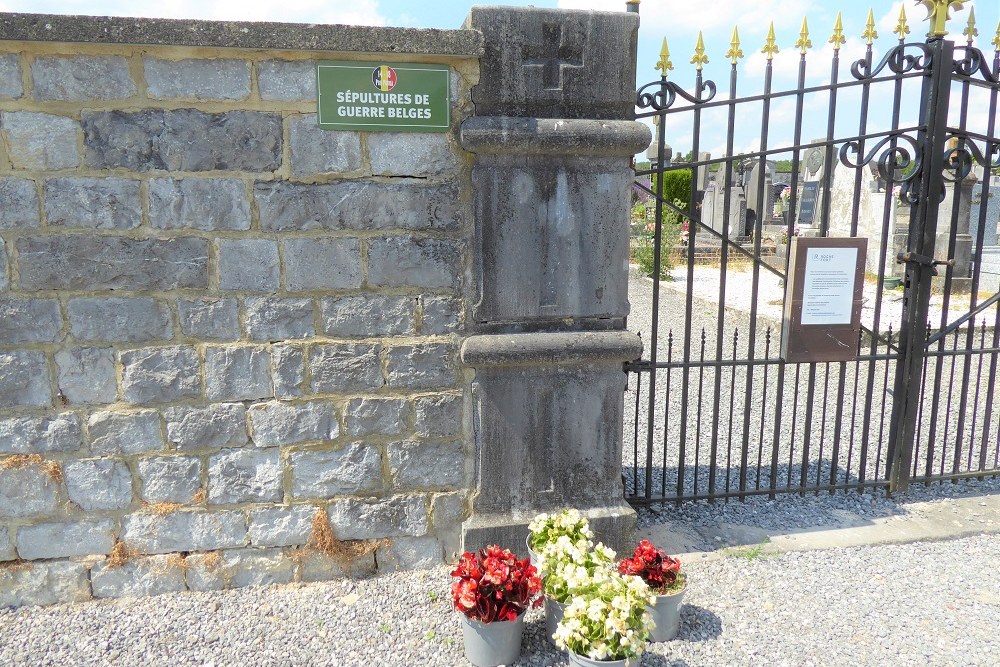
552,138
934,102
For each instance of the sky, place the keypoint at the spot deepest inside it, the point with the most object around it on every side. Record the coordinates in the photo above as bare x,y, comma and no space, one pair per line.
676,20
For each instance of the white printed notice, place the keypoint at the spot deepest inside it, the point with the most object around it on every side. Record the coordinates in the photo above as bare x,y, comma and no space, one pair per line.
828,288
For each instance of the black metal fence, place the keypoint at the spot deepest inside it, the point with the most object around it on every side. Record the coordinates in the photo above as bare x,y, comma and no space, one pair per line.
717,412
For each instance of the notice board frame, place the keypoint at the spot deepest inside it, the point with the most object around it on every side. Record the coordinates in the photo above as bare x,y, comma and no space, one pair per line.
820,342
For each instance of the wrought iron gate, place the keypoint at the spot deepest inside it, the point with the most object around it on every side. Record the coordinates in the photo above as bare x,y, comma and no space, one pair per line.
717,412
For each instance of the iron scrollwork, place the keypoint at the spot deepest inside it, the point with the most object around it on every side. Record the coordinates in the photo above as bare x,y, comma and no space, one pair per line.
667,93
973,63
895,163
897,60
958,160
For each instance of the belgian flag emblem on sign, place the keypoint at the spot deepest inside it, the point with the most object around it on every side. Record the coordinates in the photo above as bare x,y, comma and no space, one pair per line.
384,78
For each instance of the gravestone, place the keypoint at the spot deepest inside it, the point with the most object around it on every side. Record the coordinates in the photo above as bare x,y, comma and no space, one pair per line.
761,179
989,200
947,217
812,172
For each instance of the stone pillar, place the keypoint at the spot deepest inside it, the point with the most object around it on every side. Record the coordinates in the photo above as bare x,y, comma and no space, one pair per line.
552,136
961,277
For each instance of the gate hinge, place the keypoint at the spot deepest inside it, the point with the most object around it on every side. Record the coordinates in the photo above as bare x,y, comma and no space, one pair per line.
923,260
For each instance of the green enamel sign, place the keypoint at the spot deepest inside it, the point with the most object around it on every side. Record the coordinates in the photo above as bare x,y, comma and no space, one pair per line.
383,97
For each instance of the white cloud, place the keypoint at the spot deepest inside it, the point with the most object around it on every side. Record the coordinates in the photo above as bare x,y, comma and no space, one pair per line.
357,12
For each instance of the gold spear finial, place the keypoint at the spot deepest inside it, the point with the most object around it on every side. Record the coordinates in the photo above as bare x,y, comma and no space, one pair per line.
771,45
902,28
735,52
838,33
804,42
664,64
996,40
870,34
971,31
699,59
938,13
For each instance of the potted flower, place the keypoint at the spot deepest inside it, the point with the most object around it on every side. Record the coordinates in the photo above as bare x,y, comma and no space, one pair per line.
607,623
492,590
662,573
547,528
569,568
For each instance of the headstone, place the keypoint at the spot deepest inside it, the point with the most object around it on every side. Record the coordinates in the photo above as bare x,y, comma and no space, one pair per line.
961,280
989,200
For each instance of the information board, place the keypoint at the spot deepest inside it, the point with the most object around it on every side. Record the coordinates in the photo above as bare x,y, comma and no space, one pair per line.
383,97
824,292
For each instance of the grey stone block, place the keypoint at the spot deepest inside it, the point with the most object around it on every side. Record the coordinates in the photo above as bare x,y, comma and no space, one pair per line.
209,318
396,516
422,366
97,203
363,205
368,316
407,261
441,315
169,479
289,370
317,151
10,76
281,526
212,427
119,319
421,465
240,373
156,375
6,545
366,416
248,264
448,511
159,139
98,484
4,282
85,537
45,583
238,568
39,435
87,262
139,577
244,475
548,63
409,553
125,432
438,416
29,320
80,78
354,469
209,204
184,531
420,154
287,80
317,566
27,491
87,375
337,368
20,200
272,318
214,79
314,264
24,379
40,141
278,423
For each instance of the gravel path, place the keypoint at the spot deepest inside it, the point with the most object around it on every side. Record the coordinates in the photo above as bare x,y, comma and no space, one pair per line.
928,604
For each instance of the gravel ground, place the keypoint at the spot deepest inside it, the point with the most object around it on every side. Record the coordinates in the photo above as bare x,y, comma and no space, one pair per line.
927,603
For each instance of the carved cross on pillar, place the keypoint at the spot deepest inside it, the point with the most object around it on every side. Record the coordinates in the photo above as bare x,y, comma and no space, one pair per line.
553,56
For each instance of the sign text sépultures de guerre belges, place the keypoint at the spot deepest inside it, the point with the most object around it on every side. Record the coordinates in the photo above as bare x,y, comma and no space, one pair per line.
387,97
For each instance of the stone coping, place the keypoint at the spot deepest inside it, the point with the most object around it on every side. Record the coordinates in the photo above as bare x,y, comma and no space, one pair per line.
238,34
545,136
527,349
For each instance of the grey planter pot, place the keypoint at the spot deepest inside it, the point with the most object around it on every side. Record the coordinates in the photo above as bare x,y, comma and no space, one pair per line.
492,644
553,614
583,661
532,556
666,613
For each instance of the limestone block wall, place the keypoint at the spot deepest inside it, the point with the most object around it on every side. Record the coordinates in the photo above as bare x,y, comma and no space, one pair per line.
228,339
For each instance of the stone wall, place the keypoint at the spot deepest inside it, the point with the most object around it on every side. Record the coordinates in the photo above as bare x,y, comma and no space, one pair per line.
223,331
